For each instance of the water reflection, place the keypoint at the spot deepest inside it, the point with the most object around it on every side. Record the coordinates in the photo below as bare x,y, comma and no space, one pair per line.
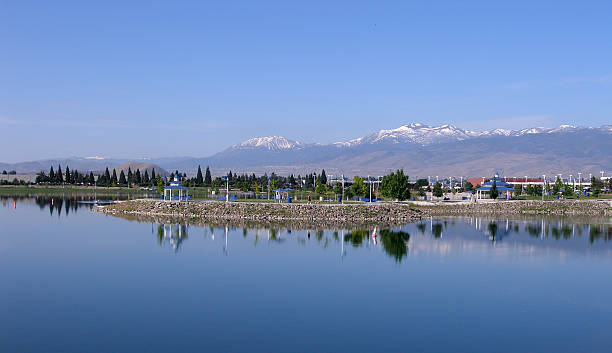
432,234
59,205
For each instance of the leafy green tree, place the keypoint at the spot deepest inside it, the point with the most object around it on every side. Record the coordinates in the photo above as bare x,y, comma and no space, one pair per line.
396,186
468,186
160,185
437,189
493,193
207,177
518,189
199,179
568,190
358,188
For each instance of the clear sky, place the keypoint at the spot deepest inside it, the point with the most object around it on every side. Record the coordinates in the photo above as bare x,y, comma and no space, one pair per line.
173,78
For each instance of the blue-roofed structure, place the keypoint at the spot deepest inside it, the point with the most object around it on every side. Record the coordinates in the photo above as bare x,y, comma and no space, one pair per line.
176,190
501,186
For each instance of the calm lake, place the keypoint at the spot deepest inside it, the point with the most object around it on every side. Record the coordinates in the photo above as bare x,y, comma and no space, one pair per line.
78,281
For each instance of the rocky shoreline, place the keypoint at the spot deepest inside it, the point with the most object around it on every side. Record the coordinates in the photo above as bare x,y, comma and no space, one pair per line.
349,215
527,207
386,214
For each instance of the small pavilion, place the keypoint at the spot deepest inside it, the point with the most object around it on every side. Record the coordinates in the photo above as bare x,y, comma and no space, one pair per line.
501,186
176,190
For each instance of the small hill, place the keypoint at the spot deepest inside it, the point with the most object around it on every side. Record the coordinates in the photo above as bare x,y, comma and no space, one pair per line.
142,166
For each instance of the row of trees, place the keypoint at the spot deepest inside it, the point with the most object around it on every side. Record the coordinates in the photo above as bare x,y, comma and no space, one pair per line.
107,178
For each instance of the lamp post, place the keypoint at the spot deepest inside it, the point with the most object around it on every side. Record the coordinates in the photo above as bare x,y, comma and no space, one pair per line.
543,185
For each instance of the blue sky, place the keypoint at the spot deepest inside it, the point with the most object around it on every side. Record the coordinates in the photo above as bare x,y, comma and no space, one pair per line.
175,78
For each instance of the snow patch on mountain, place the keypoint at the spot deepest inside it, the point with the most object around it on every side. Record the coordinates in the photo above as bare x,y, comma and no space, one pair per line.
269,142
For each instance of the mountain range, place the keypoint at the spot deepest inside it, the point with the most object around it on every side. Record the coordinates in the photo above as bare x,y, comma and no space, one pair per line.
419,149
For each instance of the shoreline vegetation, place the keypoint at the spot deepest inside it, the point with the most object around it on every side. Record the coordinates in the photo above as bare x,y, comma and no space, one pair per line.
384,214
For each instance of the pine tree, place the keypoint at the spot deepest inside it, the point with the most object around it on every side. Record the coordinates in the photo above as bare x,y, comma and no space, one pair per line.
59,176
493,193
92,179
122,180
137,177
199,179
323,177
153,177
145,178
107,177
67,176
51,175
207,177
114,180
130,177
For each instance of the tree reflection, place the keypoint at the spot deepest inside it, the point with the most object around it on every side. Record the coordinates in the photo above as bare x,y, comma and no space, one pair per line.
395,243
357,237
436,229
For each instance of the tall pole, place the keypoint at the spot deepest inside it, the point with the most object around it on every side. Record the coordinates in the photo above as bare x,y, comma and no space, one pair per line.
342,192
227,187
543,185
370,182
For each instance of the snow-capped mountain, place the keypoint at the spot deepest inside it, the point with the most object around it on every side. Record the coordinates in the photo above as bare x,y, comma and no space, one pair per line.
424,135
415,133
270,143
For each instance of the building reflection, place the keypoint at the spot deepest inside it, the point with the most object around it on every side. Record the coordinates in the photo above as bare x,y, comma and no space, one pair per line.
172,234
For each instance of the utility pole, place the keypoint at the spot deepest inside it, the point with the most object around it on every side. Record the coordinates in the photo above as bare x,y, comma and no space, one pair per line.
370,185
342,188
543,185
227,187
268,188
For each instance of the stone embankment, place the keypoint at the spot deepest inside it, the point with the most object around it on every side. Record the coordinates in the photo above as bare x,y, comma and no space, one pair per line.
557,207
337,215
345,216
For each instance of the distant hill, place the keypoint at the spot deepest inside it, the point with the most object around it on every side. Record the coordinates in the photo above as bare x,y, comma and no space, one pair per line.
142,167
420,150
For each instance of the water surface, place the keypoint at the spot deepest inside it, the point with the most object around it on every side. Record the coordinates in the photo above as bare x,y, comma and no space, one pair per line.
78,281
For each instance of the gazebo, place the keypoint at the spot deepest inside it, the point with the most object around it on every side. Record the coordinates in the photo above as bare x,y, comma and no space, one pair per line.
176,190
500,185
282,193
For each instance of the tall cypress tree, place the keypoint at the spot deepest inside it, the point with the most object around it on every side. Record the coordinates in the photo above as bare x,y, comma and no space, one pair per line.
130,177
137,177
145,178
107,177
114,180
153,176
68,176
199,179
122,180
92,179
51,175
323,177
207,177
58,175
